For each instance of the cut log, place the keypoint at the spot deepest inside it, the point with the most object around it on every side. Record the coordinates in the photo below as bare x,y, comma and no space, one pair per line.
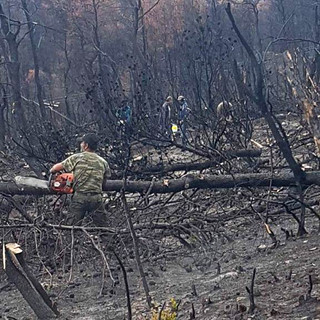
187,182
211,153
189,166
212,182
27,284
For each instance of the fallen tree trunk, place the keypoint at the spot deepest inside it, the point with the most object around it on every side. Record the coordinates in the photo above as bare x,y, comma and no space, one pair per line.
211,182
189,166
174,185
211,153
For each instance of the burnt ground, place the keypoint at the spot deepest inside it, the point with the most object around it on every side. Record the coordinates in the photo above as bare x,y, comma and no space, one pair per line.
207,278
192,277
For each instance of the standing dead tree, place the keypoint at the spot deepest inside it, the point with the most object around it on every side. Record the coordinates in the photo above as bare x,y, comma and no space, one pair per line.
3,106
31,26
258,95
10,30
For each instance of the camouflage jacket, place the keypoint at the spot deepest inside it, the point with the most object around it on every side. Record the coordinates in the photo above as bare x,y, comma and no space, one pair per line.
89,171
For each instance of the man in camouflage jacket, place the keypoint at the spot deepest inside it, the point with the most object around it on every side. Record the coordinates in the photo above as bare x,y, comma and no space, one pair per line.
90,170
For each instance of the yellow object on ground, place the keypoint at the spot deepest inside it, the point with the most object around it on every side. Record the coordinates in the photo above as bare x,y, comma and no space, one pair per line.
174,128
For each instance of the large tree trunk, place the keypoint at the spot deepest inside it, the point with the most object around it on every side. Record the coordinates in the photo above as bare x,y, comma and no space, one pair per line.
259,98
3,105
24,185
258,95
315,66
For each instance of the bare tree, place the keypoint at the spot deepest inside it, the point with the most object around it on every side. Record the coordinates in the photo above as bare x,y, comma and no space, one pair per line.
32,25
10,30
259,97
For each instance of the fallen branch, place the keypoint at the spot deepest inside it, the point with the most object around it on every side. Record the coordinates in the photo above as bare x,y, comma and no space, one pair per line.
63,227
125,277
104,259
310,286
18,206
251,293
136,247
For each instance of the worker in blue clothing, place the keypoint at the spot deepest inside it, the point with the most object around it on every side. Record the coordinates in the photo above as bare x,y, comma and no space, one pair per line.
124,115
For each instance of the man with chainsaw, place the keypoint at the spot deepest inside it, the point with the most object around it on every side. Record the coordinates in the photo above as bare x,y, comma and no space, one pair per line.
89,170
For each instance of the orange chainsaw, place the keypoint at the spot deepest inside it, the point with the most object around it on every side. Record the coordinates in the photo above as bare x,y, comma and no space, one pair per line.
61,182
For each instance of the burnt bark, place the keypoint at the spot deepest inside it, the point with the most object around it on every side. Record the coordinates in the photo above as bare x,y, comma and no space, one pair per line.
315,67
13,64
3,105
275,126
31,26
313,121
105,108
38,187
260,100
32,291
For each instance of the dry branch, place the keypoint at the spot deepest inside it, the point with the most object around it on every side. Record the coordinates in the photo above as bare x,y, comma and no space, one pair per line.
136,248
125,277
251,293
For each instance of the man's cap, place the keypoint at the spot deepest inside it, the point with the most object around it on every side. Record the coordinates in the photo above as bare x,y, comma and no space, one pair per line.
180,98
91,139
169,98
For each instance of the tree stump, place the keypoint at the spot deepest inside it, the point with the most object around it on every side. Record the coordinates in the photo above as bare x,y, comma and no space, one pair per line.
32,291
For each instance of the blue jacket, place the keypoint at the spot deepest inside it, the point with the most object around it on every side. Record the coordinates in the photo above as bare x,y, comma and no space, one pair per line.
183,111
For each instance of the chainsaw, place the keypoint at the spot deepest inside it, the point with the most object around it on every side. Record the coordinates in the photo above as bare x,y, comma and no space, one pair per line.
61,182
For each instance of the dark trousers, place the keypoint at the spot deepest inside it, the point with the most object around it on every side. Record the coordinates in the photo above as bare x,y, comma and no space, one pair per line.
183,130
89,206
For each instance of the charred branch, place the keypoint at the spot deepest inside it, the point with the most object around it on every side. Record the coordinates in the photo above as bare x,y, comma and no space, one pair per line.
251,292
